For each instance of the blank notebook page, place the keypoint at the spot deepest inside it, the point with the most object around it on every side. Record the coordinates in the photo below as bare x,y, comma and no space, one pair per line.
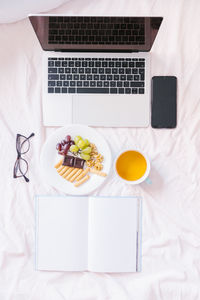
112,239
61,233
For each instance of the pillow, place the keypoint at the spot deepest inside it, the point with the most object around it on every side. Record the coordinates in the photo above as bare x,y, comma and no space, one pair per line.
15,10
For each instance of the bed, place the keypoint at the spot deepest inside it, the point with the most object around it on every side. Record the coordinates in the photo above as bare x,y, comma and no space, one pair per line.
171,205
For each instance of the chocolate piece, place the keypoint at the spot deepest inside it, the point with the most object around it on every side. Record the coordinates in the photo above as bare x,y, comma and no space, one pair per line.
68,161
78,163
72,161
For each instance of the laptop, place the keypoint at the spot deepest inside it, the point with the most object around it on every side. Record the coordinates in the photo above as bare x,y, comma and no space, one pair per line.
96,70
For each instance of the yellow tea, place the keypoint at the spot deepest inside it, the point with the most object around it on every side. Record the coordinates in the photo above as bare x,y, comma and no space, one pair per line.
131,165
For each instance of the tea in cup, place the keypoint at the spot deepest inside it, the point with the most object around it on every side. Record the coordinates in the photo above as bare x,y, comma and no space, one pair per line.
133,167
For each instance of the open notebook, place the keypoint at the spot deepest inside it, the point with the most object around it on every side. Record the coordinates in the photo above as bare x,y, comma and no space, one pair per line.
99,234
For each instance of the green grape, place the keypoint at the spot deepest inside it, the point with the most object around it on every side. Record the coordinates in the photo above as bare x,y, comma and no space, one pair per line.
87,142
85,156
77,139
87,150
81,144
74,148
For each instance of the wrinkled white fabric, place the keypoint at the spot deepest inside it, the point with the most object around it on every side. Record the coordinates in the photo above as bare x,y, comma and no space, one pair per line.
171,205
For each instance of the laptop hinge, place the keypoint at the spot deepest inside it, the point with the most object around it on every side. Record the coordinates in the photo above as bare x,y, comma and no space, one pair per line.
94,51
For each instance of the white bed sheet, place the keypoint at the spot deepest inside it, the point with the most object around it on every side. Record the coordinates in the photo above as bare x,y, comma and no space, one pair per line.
171,205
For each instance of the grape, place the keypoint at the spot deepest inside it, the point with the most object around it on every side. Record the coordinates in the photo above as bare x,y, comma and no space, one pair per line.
66,149
59,146
61,152
63,142
68,138
87,142
77,138
85,156
81,144
87,150
74,149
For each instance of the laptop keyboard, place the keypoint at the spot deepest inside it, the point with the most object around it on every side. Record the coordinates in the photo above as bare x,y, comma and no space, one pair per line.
96,75
96,30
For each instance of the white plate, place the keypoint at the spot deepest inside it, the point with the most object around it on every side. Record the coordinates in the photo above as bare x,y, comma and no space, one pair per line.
49,157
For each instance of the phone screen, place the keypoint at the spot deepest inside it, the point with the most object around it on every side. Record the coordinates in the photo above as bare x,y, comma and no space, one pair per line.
163,102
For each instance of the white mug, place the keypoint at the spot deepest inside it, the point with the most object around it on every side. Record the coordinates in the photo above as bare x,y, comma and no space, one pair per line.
145,175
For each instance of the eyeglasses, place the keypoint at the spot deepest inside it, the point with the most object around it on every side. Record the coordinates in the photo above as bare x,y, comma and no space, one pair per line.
22,147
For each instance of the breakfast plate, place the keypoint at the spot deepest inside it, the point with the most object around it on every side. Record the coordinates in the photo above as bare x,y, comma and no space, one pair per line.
50,159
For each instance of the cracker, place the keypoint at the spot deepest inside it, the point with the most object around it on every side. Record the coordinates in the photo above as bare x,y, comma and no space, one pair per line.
58,164
71,174
79,171
60,169
63,170
68,172
84,179
83,174
98,172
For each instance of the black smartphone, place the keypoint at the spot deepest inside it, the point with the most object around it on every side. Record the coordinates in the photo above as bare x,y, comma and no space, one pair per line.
163,102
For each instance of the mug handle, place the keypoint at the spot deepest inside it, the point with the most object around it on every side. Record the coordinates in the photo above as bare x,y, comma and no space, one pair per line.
148,181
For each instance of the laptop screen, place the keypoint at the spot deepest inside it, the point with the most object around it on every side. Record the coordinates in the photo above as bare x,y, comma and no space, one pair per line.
78,33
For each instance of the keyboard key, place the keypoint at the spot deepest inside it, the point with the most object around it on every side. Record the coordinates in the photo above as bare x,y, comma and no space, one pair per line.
92,83
109,77
139,64
62,77
123,77
69,77
106,83
126,84
86,83
51,63
52,70
58,63
82,77
65,83
99,83
127,90
93,90
71,90
53,77
75,77
102,77
79,83
119,84
96,77
57,90
61,70
51,83
50,90
137,84
134,71
113,91
136,77
89,77
72,83
112,84
64,90
108,71
67,70
128,71
121,90
134,91
141,91
116,77
59,83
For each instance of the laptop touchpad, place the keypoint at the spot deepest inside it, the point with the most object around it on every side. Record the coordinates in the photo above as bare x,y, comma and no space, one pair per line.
109,110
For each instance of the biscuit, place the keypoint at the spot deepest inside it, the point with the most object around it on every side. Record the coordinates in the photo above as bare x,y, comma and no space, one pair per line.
98,172
79,171
84,179
83,174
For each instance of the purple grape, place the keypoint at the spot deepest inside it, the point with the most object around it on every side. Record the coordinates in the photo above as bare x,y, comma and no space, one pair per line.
66,149
68,138
59,146
63,142
61,152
